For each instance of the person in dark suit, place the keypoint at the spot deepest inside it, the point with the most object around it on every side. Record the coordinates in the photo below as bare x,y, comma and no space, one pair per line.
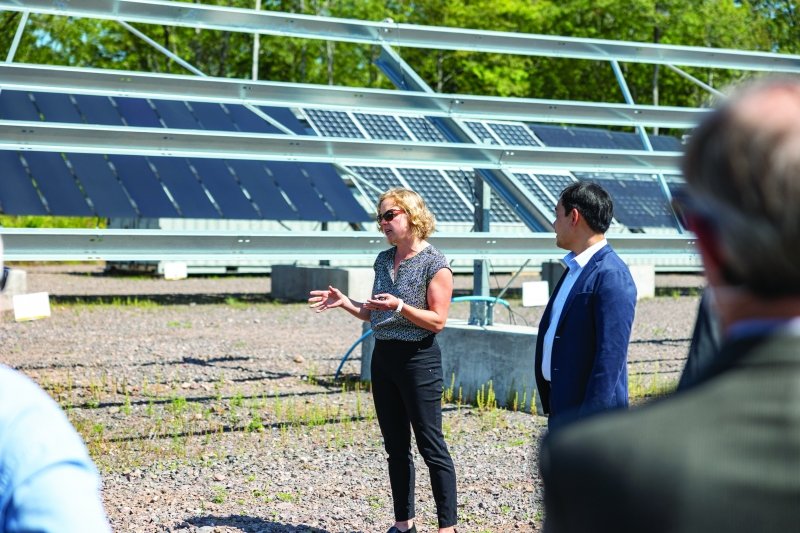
723,454
582,346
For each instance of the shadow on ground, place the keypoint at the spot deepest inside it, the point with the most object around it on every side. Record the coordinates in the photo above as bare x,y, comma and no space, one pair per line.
250,524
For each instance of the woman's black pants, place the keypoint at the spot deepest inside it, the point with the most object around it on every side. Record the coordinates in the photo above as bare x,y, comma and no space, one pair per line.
407,389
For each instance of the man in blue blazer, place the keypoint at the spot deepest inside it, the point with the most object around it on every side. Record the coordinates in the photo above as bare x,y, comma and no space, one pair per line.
582,346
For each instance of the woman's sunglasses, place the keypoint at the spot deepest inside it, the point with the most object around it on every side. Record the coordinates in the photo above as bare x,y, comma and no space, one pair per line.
388,216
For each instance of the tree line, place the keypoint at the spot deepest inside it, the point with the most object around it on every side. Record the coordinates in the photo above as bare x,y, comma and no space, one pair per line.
740,24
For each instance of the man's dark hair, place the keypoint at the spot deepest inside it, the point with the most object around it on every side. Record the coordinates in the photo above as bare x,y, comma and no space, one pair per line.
592,202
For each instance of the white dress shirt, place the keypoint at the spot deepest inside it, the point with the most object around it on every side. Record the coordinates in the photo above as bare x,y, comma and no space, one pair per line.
575,264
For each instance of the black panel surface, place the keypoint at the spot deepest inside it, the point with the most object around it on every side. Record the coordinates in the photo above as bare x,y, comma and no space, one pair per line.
101,186
16,105
300,191
213,117
224,188
98,110
248,121
262,190
143,186
57,107
182,184
57,184
335,192
17,193
175,114
137,112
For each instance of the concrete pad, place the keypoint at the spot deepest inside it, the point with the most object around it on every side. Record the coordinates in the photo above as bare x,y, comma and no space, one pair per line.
292,283
644,277
474,356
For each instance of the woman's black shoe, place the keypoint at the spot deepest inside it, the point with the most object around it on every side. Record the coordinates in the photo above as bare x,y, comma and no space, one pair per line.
394,529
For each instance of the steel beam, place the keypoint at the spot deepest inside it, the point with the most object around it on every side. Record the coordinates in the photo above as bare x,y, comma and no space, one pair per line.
84,138
409,35
27,244
46,78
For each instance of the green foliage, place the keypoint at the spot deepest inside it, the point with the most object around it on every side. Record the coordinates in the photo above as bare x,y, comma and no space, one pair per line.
10,221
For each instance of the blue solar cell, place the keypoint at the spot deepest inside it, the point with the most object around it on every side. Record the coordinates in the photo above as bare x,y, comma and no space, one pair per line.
98,110
424,129
513,134
101,186
555,183
184,187
381,178
533,188
334,123
137,112
57,107
143,185
57,184
382,127
213,117
335,192
440,197
248,121
262,189
17,105
666,143
638,200
175,114
224,188
17,193
592,138
285,117
500,211
556,136
481,132
300,191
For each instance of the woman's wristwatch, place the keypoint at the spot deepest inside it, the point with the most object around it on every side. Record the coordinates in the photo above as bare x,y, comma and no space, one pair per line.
399,306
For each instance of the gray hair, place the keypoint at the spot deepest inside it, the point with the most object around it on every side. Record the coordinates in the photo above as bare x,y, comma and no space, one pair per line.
742,167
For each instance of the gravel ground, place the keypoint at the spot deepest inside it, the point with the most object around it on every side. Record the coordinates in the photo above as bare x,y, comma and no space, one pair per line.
209,407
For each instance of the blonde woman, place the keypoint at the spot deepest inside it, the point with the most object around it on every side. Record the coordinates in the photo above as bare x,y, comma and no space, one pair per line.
411,298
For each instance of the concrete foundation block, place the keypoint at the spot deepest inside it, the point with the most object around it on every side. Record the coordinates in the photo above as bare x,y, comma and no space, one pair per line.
474,356
16,283
292,283
644,277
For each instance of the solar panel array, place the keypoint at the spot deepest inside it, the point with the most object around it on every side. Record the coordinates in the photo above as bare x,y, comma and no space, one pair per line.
120,186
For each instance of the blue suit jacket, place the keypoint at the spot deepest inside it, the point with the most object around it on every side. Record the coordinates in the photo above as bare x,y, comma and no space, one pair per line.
590,349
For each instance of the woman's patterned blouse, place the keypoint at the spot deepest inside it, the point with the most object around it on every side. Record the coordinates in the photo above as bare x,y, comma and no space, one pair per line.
413,276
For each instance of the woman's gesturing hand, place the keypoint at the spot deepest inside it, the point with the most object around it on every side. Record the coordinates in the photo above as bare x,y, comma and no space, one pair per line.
328,299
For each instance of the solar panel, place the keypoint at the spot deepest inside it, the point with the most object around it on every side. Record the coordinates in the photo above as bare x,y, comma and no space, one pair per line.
57,107
592,138
101,186
638,199
423,129
57,184
513,134
334,190
382,127
224,188
248,121
17,193
481,132
300,191
381,179
555,183
440,197
555,136
213,116
666,143
530,184
175,114
184,187
17,105
262,189
98,110
333,123
286,117
626,141
500,211
143,186
137,112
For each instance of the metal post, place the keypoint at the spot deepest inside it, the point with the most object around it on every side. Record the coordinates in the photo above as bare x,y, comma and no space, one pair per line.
256,43
626,93
480,313
17,37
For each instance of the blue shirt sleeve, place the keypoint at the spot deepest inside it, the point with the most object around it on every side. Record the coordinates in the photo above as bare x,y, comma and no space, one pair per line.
48,482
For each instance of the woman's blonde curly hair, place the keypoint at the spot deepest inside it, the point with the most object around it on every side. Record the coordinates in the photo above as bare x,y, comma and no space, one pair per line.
420,218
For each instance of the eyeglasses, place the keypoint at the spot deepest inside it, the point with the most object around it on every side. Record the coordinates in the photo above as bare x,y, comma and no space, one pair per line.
389,215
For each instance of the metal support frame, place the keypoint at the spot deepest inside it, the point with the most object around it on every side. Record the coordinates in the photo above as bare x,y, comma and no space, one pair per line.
409,35
480,311
42,244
